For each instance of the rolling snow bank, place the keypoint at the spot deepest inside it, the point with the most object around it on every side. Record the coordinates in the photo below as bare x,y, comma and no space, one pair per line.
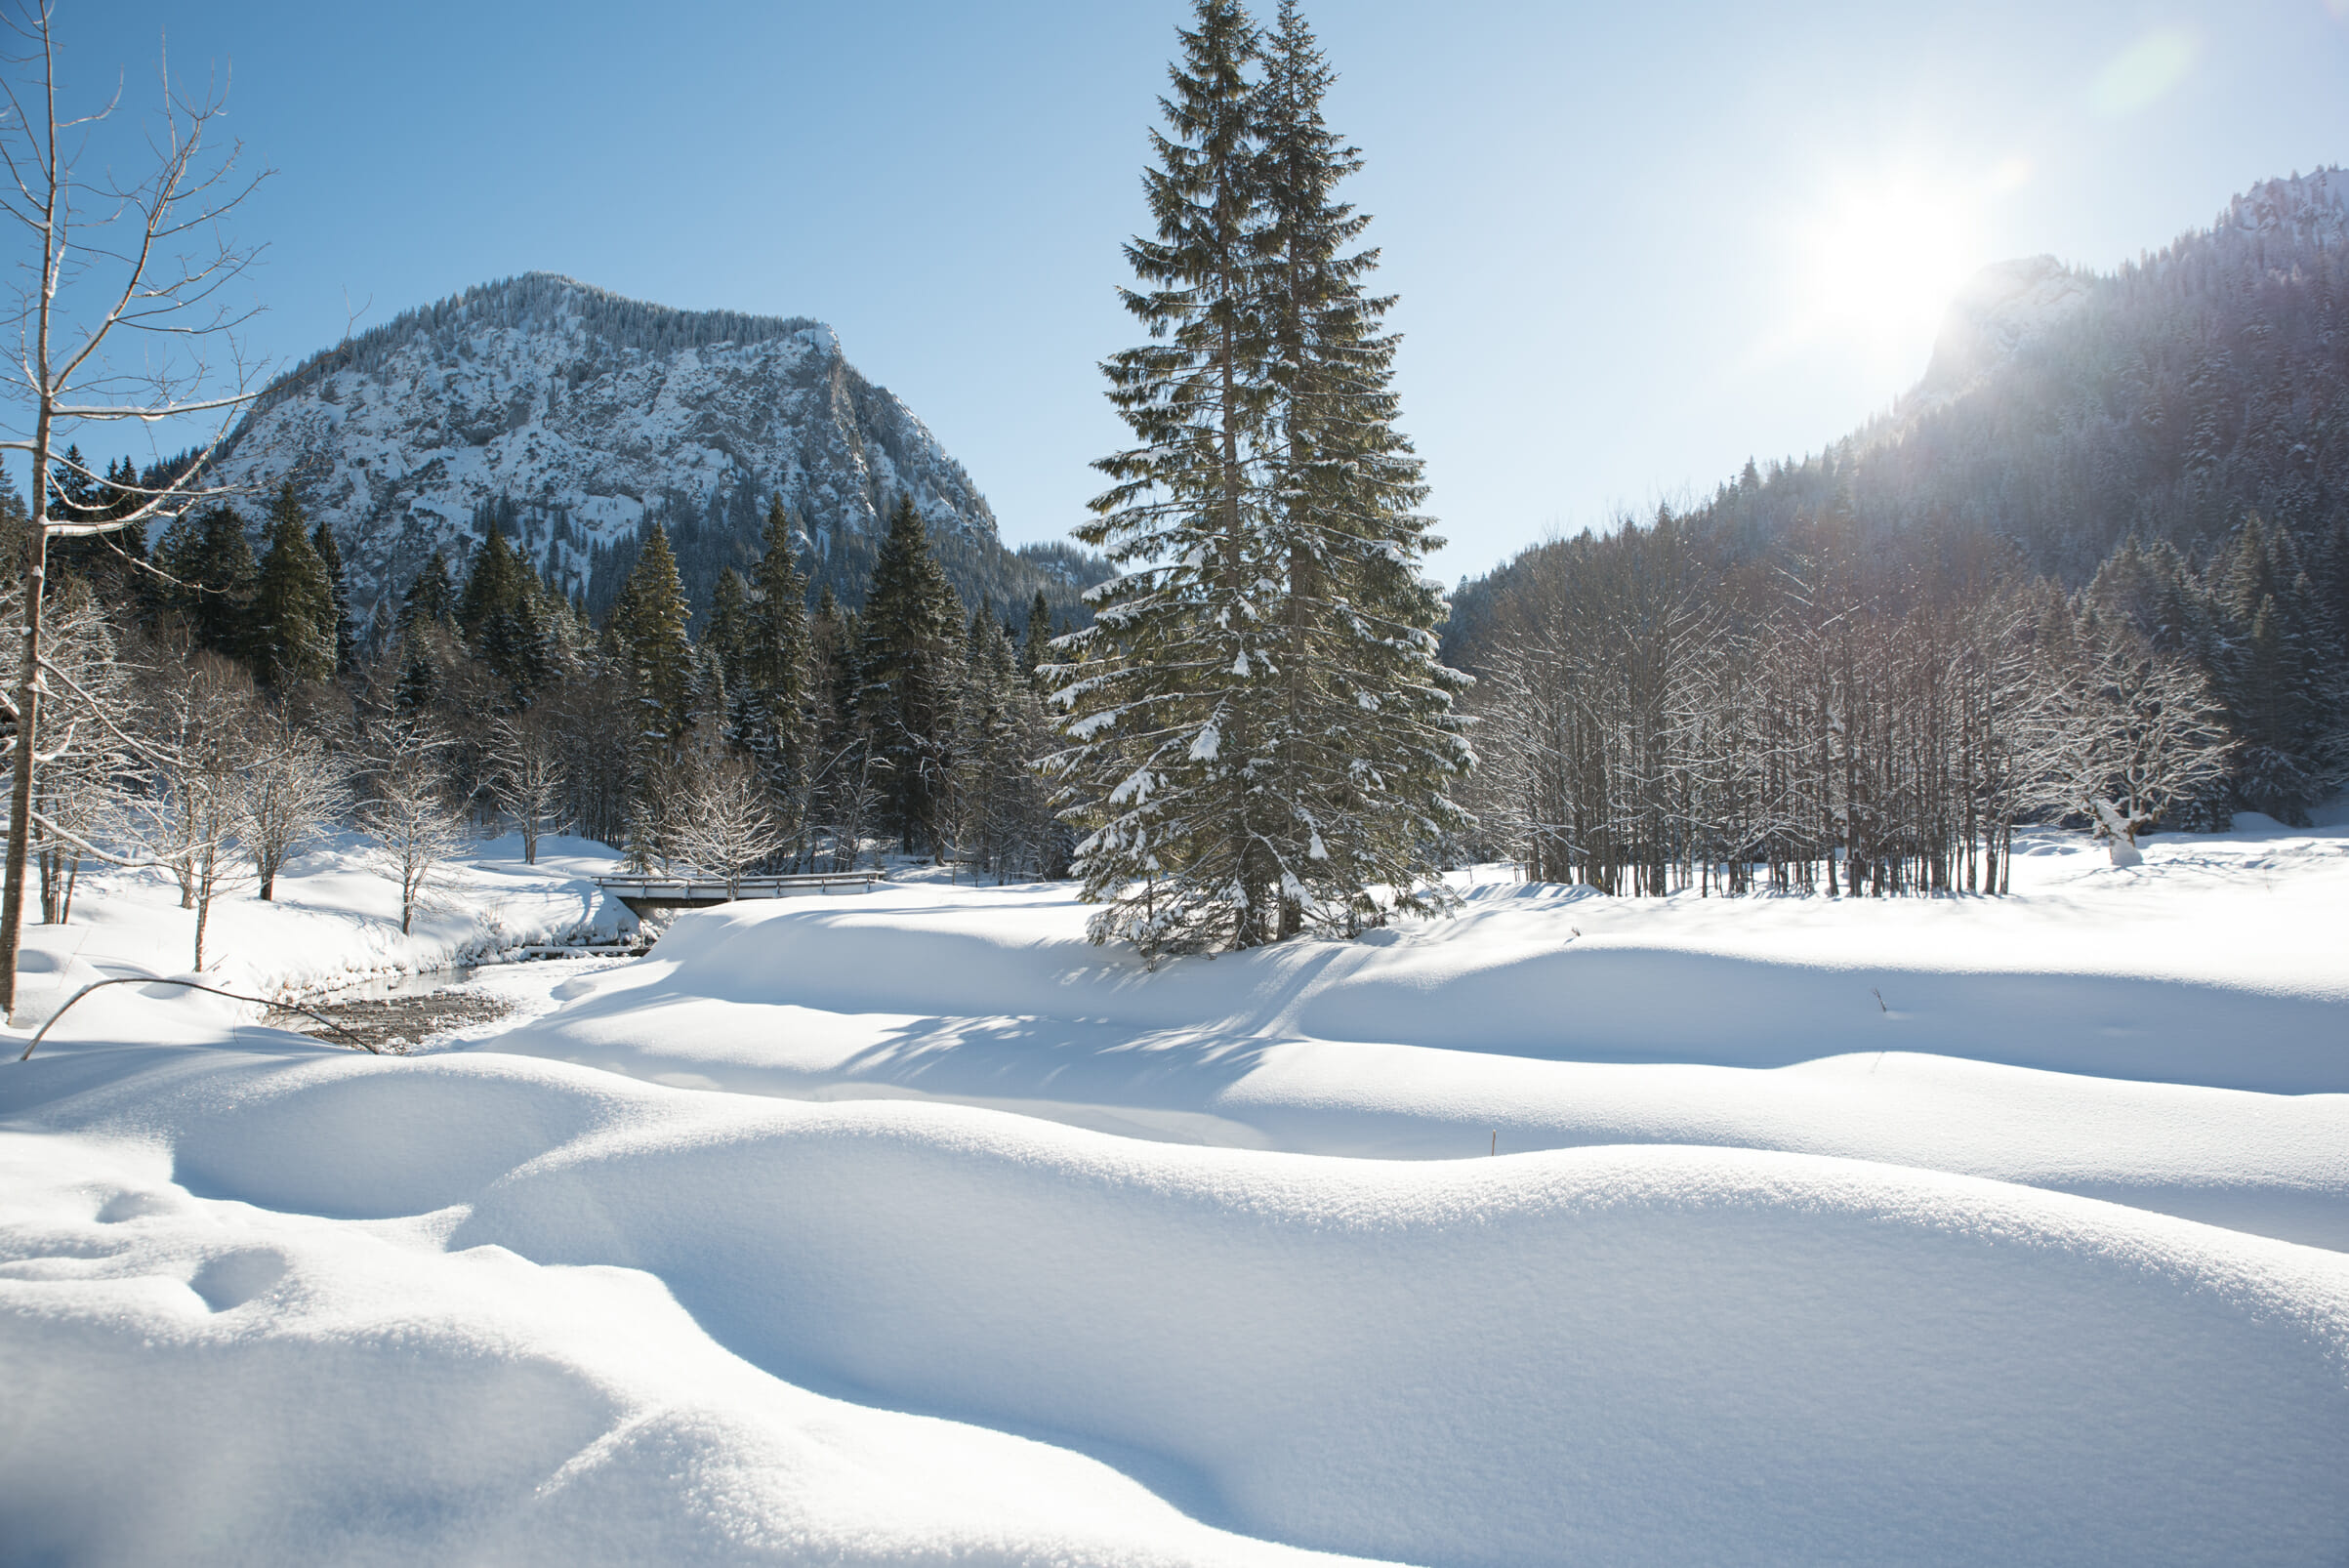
2173,974
1932,1232
479,1308
2175,1038
334,923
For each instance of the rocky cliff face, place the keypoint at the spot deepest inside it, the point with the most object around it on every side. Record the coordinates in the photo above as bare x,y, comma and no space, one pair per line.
570,416
2002,307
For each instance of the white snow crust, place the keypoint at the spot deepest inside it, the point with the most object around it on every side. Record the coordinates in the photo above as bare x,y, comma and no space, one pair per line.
910,1228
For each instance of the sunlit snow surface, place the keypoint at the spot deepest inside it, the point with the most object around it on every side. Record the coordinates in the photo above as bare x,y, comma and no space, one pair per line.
908,1227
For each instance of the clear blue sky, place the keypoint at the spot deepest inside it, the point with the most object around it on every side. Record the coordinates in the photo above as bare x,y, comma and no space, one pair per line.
1633,244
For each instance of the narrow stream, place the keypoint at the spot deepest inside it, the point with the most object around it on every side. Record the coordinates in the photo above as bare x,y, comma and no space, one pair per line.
405,1013
421,984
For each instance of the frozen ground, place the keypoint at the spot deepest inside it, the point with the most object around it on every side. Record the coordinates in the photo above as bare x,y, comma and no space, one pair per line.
909,1228
334,923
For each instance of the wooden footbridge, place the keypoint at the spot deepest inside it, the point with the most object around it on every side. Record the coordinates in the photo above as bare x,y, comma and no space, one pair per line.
644,895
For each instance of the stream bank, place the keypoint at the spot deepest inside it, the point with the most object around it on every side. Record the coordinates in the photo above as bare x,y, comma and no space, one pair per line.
409,1013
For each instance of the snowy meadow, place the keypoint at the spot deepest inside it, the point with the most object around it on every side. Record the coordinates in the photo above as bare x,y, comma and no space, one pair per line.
1807,1028
911,1228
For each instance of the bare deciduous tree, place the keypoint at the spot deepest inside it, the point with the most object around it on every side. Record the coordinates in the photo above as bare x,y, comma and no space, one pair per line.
2130,736
147,263
295,788
727,824
527,775
84,754
416,822
199,720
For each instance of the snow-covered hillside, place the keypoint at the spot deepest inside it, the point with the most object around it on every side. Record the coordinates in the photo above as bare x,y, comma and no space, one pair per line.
907,1227
2009,305
2000,309
585,410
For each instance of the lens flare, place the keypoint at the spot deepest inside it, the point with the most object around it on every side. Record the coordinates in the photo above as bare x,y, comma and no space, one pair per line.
1882,258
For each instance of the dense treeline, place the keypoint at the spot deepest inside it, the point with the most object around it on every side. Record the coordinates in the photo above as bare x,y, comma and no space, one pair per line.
725,531
1658,713
217,710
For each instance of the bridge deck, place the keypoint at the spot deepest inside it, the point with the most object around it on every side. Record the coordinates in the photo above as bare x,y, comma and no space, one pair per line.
641,894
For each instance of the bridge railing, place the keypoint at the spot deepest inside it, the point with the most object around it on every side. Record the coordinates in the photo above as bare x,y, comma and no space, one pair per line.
716,889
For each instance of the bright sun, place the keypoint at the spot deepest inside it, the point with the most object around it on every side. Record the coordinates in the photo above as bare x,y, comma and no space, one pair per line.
1882,261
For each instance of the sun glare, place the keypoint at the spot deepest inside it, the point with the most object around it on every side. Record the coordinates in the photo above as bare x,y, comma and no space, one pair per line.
1880,262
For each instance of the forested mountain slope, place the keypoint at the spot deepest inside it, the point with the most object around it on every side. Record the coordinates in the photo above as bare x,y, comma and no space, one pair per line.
2154,459
570,418
2063,410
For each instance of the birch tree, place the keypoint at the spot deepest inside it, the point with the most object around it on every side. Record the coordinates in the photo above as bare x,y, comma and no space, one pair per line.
527,775
199,712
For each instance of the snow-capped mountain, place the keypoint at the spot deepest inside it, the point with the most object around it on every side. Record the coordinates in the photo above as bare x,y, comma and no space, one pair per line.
2308,209
571,415
2000,309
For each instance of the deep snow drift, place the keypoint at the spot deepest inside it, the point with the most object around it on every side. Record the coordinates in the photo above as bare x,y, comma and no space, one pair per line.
1786,1257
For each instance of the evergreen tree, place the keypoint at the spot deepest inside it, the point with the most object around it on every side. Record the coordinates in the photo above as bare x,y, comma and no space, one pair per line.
108,562
1035,644
774,687
909,665
649,626
1262,729
330,558
503,619
1365,744
211,563
729,623
292,635
75,492
419,684
1168,714
429,598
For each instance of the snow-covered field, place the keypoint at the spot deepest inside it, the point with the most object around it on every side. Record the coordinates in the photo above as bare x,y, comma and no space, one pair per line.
908,1227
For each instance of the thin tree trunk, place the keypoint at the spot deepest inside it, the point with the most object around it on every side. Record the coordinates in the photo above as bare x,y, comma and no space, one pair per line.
29,700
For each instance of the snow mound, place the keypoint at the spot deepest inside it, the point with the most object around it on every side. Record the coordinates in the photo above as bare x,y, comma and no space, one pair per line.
637,1324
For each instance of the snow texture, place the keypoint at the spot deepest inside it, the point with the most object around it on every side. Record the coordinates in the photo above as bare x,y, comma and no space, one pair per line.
908,1227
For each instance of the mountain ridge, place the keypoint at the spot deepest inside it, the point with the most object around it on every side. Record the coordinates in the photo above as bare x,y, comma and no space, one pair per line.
572,418
2065,410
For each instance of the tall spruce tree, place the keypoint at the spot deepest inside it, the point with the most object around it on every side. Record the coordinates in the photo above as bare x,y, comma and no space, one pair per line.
649,622
729,619
773,686
210,561
504,619
292,631
330,558
429,596
1262,730
109,561
1168,695
910,672
1036,642
1366,744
